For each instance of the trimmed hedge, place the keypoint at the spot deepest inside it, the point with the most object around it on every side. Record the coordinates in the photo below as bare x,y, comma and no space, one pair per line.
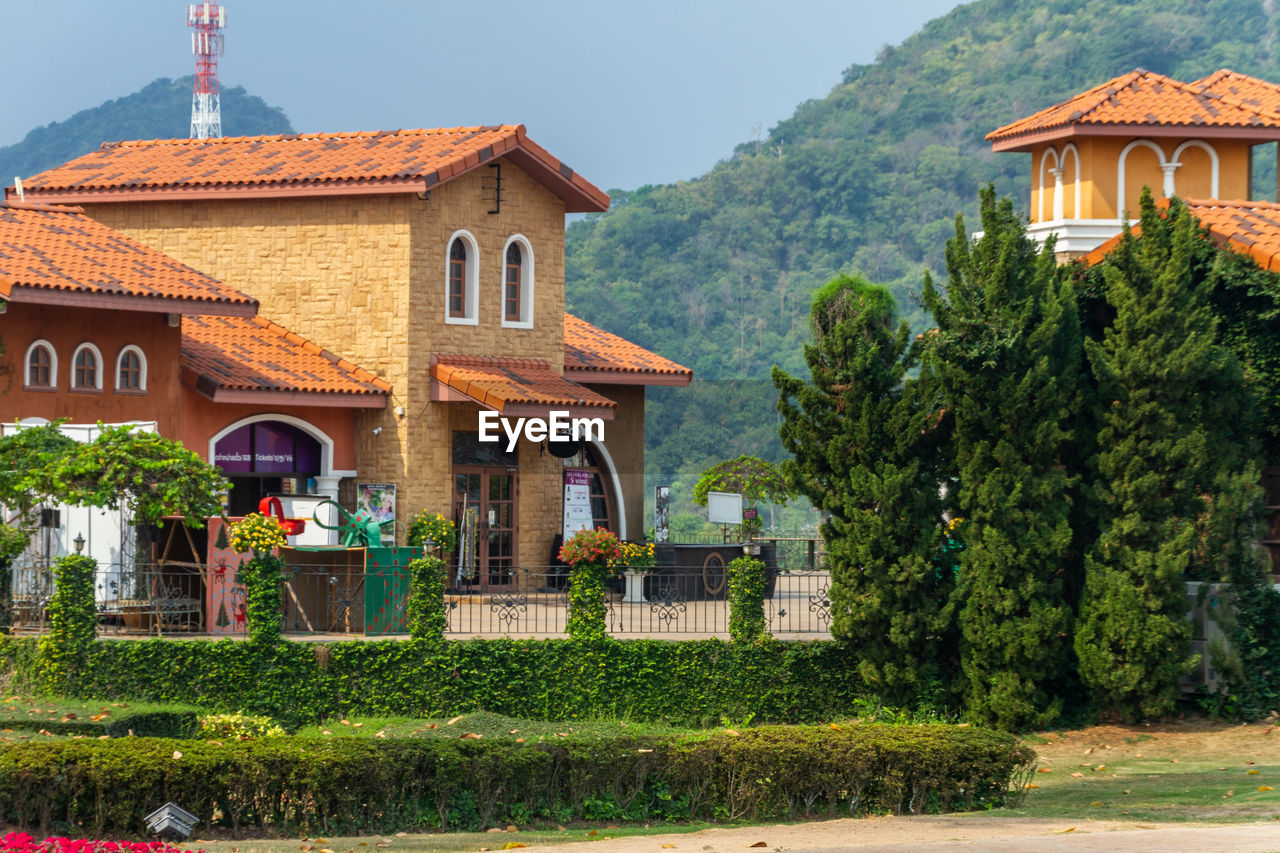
340,785
687,682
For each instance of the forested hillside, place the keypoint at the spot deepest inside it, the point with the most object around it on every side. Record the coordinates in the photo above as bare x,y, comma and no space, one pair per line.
717,272
160,110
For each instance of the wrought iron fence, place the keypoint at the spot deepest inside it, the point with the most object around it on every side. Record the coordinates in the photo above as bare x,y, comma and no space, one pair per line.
171,598
161,598
534,601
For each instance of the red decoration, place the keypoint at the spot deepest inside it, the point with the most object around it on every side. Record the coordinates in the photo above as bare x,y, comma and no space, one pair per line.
290,526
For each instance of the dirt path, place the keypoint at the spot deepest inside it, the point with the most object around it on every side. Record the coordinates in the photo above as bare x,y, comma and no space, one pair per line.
943,833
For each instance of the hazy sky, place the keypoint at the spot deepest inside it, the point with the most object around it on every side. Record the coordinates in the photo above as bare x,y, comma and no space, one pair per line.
626,94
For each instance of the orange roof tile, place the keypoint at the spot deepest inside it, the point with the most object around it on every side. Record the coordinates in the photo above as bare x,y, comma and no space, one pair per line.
243,360
1140,99
1242,89
59,256
516,385
305,164
593,355
1248,227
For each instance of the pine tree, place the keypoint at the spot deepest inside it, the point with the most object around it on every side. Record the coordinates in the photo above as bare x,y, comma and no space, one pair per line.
1177,482
865,446
1007,355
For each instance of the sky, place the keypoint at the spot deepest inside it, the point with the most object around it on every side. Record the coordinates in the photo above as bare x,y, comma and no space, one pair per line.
625,93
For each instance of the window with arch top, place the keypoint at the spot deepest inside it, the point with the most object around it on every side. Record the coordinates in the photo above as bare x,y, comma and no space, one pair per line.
461,279
41,366
517,283
86,368
131,370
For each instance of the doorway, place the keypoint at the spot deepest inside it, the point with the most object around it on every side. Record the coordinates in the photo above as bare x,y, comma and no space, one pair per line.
486,480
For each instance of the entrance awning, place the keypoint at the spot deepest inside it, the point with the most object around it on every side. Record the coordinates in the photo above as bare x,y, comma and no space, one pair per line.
514,387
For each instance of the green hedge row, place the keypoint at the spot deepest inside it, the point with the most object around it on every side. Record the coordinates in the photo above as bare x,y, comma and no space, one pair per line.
687,682
339,785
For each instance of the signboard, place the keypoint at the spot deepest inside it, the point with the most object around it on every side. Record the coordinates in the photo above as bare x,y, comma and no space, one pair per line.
662,514
378,502
724,508
577,502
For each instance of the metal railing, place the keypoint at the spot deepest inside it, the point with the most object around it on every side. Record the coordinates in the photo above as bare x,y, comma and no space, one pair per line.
169,599
165,598
534,602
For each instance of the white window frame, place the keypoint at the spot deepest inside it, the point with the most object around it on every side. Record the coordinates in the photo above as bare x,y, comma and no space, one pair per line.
97,373
53,366
471,296
526,284
142,369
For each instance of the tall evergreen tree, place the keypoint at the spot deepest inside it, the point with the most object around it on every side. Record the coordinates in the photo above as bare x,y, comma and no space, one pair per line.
1007,355
866,450
1177,478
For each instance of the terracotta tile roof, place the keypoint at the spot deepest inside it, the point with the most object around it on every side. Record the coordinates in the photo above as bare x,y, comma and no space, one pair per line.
1248,227
235,359
57,255
506,384
1139,99
1242,89
593,355
304,164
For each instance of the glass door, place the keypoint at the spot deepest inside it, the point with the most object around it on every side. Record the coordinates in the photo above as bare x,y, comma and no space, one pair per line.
491,491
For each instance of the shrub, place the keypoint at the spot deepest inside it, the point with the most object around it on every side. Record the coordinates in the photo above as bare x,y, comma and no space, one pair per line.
73,620
336,785
686,682
746,583
589,554
258,534
238,726
159,722
433,526
262,577
427,619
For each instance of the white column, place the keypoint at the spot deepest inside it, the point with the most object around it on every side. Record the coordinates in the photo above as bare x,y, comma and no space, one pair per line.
1058,214
327,487
1168,169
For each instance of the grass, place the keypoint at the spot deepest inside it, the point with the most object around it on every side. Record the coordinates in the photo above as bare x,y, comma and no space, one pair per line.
24,718
1195,772
492,727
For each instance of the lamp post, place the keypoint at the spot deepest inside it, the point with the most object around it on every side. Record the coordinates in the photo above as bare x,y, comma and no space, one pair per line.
78,542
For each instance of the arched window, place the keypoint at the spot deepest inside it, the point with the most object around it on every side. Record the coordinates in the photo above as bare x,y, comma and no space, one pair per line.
131,370
84,368
460,279
42,366
517,284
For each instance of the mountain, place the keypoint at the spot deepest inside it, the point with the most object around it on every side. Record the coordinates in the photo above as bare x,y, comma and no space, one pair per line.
717,272
160,110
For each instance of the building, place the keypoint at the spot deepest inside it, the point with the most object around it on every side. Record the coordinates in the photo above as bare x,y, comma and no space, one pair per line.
99,328
1092,154
434,259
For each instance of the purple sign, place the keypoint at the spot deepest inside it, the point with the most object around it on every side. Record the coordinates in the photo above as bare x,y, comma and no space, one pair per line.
267,447
577,478
234,451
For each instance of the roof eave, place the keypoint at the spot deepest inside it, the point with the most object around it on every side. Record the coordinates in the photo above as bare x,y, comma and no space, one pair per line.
208,387
19,293
1025,141
627,377
103,195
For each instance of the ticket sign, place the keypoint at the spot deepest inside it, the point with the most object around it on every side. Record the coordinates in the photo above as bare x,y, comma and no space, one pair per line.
577,502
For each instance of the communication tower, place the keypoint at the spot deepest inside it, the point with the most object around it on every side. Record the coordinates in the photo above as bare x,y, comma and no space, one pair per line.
207,21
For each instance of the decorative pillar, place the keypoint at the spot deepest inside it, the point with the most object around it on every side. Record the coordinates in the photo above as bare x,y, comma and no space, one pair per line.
1058,214
1168,169
327,487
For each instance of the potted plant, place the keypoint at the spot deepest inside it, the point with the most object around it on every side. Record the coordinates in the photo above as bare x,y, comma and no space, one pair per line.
635,561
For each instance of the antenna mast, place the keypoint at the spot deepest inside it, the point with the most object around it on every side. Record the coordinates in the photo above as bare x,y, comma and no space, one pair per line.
207,21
